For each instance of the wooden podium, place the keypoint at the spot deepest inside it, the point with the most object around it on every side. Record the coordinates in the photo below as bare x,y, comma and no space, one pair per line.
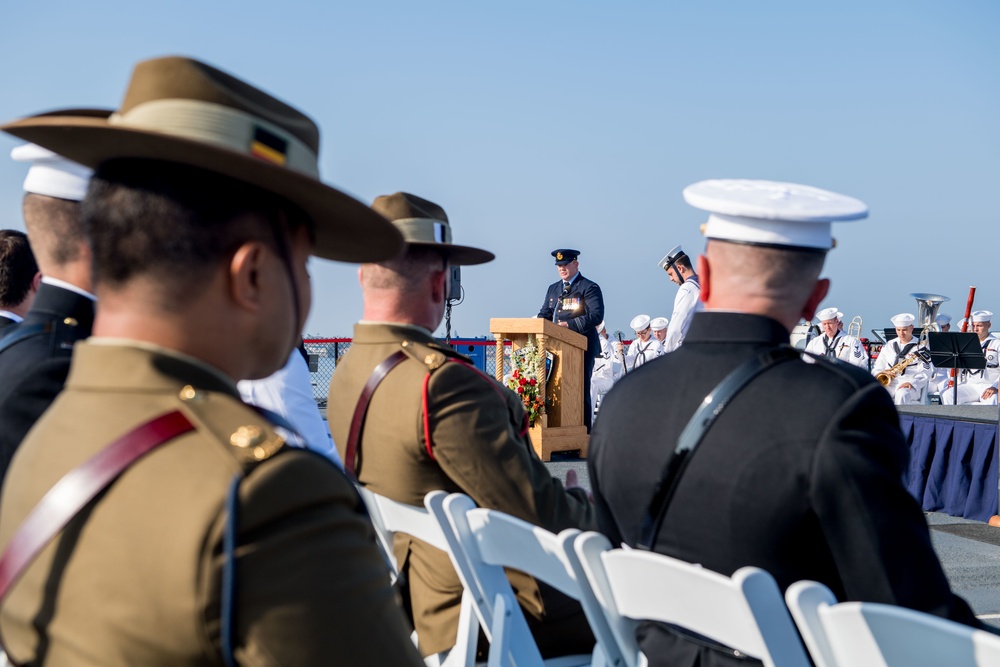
561,428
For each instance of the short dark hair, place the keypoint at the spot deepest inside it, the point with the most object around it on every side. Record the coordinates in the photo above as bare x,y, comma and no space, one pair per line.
175,222
17,267
55,226
685,261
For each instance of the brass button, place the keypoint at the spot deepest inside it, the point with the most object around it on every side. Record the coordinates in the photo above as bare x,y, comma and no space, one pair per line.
69,321
189,393
246,437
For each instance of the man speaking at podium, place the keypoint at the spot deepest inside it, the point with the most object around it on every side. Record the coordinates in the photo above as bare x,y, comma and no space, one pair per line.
576,302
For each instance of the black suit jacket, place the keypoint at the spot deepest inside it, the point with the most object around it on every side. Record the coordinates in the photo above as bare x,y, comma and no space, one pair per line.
33,370
585,318
800,475
4,323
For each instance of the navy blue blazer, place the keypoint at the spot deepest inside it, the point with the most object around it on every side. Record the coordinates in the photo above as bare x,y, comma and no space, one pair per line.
34,369
582,309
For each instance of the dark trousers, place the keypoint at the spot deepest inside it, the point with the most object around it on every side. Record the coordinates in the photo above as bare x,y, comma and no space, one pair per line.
588,371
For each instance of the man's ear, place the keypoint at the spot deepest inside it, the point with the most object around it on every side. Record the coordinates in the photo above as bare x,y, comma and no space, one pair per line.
36,282
437,284
819,292
361,275
245,275
704,278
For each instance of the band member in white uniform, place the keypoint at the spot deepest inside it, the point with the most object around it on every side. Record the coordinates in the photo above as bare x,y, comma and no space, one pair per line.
688,300
607,369
906,387
659,327
834,343
644,348
978,386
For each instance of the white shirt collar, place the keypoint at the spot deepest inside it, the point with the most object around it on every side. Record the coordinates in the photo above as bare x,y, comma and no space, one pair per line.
55,282
11,316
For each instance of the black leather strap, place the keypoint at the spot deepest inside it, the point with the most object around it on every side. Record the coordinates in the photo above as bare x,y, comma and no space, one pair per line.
692,435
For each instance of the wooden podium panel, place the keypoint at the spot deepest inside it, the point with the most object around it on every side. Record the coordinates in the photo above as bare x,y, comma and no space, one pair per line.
561,428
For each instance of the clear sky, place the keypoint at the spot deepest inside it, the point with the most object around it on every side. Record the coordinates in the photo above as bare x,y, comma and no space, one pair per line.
575,123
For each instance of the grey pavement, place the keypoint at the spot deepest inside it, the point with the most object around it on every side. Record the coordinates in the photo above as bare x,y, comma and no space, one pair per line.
969,550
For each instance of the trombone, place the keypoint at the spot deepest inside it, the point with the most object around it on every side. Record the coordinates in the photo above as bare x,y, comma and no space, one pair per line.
854,328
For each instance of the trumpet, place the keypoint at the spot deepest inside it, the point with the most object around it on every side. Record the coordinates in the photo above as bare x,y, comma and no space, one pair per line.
886,376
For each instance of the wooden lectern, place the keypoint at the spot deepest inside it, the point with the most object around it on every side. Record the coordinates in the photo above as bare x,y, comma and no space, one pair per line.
562,427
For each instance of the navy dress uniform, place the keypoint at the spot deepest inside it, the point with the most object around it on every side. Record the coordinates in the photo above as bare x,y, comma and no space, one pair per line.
35,359
800,473
579,303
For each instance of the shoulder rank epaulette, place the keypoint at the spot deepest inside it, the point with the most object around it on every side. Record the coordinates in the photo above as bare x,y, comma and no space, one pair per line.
251,442
430,354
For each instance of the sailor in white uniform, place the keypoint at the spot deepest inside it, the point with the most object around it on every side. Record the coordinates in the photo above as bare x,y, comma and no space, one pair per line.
644,348
939,382
906,387
607,369
687,302
978,386
834,343
659,327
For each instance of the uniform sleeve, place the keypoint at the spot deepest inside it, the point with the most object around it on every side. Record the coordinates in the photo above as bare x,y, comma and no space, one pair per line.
594,302
684,305
479,445
546,312
26,402
876,531
859,355
312,589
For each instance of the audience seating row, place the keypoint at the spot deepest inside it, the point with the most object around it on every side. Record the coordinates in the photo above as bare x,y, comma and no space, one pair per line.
619,587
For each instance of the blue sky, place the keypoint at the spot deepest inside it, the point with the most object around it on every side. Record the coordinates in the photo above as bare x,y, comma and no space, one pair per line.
548,124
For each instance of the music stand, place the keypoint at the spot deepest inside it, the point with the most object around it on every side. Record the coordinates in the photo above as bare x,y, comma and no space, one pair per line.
956,350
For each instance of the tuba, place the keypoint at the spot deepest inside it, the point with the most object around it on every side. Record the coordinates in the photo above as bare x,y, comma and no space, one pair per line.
927,310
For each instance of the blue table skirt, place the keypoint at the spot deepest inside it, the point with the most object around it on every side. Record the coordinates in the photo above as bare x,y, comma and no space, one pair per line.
953,465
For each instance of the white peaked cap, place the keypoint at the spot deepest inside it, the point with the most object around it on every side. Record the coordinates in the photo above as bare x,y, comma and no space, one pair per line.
51,174
658,323
981,316
639,322
903,320
942,319
770,213
829,314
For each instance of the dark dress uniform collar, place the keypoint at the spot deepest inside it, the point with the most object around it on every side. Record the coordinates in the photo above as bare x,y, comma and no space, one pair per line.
55,302
730,327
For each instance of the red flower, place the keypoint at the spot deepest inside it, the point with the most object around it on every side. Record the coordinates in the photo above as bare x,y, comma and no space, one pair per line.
532,382
522,381
520,390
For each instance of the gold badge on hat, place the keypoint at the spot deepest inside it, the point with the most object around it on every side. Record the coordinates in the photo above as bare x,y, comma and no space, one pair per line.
559,256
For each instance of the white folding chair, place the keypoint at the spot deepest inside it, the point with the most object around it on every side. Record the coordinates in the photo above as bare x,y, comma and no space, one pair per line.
390,517
488,541
882,635
745,612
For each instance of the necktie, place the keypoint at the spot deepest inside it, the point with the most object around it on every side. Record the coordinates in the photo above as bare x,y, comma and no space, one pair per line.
565,287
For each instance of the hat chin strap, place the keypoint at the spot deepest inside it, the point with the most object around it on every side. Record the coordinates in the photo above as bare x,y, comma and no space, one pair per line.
280,233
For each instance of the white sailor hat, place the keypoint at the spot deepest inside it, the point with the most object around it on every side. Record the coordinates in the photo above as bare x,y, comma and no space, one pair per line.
668,260
942,319
829,314
51,174
903,320
639,322
981,316
770,213
600,327
658,323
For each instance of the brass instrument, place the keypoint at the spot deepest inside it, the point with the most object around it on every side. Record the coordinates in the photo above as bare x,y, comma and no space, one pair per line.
886,376
854,328
927,310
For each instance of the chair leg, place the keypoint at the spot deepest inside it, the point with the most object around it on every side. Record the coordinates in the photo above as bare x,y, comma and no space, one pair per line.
500,645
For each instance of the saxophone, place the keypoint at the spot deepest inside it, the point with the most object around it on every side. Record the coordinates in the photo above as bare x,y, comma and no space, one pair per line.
886,376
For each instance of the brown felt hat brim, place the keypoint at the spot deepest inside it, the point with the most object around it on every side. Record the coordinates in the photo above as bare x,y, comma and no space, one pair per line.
459,255
346,229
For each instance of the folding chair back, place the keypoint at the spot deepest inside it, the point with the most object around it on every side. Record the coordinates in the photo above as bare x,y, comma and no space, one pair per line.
488,541
882,635
745,612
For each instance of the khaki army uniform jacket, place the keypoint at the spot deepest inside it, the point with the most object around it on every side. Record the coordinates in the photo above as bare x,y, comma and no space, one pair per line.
471,439
135,579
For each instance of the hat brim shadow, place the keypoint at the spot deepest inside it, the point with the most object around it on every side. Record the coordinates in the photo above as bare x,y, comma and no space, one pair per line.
460,255
346,229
